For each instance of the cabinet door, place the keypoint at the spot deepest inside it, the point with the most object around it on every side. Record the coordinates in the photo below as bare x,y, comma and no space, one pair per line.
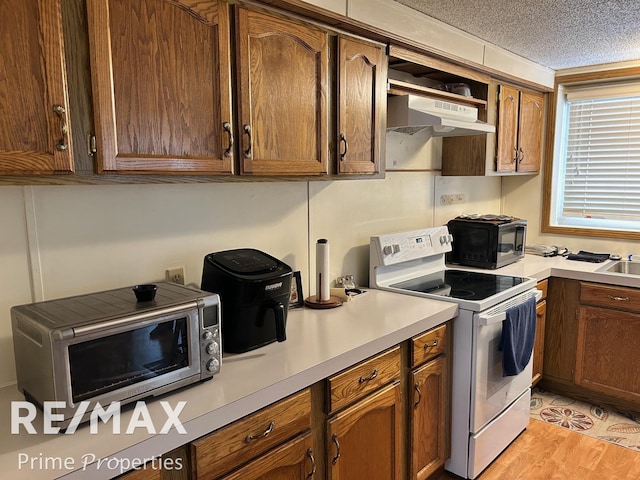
530,131
607,353
282,98
34,109
507,128
429,418
161,86
292,461
363,441
361,100
538,347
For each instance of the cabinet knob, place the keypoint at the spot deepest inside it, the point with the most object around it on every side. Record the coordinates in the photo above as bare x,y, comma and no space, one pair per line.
343,140
618,299
268,430
432,344
59,110
334,439
373,375
227,128
417,389
247,130
313,464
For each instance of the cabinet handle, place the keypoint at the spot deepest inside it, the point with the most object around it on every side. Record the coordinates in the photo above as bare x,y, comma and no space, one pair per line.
227,128
247,130
269,429
417,389
334,439
313,465
432,344
521,157
618,299
515,155
373,375
59,110
343,140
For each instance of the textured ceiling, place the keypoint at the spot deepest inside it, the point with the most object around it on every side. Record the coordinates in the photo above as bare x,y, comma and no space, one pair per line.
555,33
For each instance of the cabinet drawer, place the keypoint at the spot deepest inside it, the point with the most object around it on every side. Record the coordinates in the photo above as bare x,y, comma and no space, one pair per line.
542,286
355,382
244,439
428,345
619,298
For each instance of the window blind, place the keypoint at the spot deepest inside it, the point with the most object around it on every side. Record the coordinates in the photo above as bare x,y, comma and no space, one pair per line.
602,169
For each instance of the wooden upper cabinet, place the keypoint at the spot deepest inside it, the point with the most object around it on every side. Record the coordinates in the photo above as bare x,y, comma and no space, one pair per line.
530,131
519,130
35,136
283,69
507,128
161,86
361,105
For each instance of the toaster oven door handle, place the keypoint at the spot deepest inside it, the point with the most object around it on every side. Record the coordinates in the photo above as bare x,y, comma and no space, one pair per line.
133,319
281,334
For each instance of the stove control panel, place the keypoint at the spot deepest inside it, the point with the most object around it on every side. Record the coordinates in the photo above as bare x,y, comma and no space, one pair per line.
394,248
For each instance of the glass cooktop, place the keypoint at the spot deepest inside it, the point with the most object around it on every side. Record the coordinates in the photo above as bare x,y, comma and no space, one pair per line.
461,284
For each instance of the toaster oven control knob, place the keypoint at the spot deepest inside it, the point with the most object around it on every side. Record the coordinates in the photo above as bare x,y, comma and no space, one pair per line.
387,250
212,348
213,365
207,335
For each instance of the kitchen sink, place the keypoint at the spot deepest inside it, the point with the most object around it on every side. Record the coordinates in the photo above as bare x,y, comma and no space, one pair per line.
622,266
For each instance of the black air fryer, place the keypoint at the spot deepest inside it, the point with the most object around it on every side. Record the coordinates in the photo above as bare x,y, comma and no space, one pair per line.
254,290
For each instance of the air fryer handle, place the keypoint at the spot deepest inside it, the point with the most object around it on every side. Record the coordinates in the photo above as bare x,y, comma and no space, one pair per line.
281,334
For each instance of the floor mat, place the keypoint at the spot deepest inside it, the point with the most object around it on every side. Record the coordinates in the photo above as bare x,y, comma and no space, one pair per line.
603,422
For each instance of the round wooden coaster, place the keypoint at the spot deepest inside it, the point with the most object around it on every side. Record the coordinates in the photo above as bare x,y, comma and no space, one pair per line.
312,302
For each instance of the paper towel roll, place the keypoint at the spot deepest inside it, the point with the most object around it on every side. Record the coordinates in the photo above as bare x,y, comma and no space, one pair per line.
323,292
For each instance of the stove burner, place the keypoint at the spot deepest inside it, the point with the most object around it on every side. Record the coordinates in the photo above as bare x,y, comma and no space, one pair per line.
460,284
459,293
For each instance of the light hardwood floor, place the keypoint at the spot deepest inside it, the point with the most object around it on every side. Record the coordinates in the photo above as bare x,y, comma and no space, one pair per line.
548,452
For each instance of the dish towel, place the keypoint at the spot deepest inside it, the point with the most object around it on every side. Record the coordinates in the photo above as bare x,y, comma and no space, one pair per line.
518,336
583,256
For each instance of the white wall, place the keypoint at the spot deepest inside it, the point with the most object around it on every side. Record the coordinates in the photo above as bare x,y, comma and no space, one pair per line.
67,240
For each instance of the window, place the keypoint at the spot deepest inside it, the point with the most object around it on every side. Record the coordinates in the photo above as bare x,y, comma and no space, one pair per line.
595,177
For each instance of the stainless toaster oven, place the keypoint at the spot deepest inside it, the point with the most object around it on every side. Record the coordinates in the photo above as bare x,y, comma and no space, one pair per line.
108,347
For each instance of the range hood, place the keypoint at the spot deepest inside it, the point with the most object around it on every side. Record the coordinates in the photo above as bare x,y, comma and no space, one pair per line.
411,114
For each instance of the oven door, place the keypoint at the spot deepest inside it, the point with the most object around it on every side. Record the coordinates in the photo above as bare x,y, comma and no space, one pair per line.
491,392
129,358
510,243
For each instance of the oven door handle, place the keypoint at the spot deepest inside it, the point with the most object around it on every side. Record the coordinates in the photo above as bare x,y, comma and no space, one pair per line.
485,320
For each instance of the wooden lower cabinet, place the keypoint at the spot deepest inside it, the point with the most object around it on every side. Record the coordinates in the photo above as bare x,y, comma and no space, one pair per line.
538,347
293,460
591,342
428,422
252,437
384,418
363,441
607,343
142,474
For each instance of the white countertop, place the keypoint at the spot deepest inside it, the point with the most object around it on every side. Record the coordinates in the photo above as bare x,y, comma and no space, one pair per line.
319,343
540,268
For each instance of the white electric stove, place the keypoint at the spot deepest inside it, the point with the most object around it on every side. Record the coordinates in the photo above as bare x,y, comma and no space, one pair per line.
488,410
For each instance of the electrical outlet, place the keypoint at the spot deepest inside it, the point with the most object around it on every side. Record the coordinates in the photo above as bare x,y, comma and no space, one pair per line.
175,275
452,199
